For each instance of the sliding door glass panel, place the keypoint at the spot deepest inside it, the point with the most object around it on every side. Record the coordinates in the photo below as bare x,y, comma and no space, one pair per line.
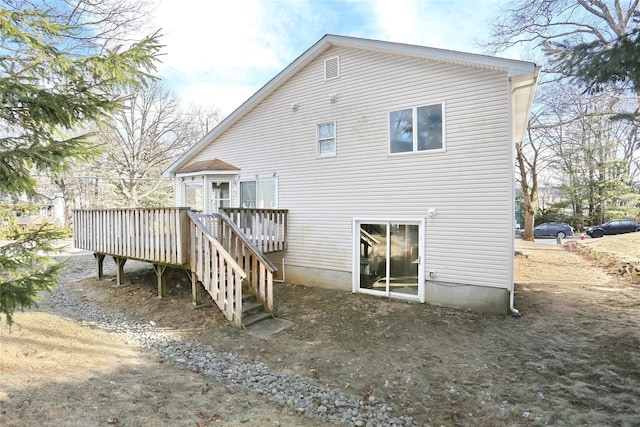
404,245
373,256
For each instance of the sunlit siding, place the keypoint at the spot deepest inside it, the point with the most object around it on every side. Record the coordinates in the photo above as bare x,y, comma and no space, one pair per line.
469,239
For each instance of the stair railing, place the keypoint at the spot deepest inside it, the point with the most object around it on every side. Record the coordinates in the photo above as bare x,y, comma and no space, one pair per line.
245,253
217,270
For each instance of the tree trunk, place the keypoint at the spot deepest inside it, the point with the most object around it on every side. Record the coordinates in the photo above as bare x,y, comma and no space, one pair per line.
529,194
529,220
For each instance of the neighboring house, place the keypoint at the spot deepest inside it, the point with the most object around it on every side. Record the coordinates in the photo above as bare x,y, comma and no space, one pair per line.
395,162
30,214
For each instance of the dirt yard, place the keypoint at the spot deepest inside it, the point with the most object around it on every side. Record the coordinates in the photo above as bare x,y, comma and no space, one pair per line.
573,358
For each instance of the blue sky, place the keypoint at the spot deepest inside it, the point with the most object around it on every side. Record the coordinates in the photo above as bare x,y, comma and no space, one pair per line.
219,53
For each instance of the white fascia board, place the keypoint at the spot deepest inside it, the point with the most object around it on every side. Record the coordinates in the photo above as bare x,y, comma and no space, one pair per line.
523,90
205,173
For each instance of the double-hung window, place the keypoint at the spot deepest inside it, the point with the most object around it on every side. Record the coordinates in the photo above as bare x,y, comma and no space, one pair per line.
416,129
326,137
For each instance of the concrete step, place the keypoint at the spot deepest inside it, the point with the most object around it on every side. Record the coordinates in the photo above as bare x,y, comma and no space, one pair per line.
255,318
267,327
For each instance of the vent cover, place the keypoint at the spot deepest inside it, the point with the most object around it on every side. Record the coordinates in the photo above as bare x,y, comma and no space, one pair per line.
332,68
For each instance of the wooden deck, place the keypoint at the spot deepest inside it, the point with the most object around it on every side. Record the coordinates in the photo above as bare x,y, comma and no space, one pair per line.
220,256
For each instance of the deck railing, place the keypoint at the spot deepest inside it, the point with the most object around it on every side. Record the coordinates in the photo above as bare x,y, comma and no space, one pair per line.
265,228
213,247
249,257
158,235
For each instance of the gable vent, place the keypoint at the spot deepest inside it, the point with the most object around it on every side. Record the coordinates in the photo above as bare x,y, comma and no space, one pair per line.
332,68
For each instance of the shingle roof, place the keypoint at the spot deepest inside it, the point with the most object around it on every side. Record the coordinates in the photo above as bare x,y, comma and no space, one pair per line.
207,165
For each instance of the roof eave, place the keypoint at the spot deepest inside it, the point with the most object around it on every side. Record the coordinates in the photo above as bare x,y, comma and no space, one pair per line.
523,90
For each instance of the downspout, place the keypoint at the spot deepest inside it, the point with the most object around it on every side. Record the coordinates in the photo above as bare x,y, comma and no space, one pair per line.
283,277
514,311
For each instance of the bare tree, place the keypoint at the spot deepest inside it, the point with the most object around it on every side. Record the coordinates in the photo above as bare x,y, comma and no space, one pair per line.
96,24
204,119
591,154
548,27
529,157
544,23
141,141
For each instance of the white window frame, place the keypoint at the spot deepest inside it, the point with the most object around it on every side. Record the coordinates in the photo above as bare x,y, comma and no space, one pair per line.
414,133
194,184
319,140
355,288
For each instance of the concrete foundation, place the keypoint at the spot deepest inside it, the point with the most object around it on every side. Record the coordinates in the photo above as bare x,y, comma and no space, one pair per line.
321,278
480,299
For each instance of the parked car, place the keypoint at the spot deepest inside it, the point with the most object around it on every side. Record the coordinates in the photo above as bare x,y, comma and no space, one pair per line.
616,226
551,229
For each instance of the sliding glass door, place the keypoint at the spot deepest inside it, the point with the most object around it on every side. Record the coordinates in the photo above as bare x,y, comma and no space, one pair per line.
390,258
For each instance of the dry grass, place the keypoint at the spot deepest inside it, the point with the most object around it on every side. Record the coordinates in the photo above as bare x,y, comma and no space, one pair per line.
626,246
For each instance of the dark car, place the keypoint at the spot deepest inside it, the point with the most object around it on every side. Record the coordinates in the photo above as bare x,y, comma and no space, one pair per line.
616,226
551,229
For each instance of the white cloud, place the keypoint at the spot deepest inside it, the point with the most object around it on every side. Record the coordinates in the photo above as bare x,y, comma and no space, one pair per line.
215,45
454,25
222,52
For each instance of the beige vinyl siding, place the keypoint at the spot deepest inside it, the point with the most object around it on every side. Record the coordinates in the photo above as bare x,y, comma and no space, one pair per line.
177,192
468,241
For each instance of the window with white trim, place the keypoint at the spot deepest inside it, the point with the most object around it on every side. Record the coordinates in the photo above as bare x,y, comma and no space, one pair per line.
326,137
416,129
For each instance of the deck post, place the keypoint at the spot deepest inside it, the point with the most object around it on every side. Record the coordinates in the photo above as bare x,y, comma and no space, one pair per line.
162,280
196,289
120,262
100,259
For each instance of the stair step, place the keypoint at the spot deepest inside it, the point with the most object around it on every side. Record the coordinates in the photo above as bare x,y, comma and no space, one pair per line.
251,306
248,298
250,320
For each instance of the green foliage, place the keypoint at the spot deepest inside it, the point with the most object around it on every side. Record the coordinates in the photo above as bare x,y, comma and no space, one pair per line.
26,269
46,92
57,75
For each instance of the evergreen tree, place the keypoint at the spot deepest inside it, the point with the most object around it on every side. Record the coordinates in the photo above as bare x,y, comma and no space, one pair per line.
52,83
600,64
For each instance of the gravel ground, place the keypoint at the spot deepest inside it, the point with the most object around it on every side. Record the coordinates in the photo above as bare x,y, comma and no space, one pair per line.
299,393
